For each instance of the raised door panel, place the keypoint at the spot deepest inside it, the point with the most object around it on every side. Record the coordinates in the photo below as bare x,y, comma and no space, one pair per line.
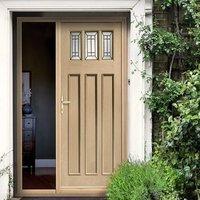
74,124
91,142
107,123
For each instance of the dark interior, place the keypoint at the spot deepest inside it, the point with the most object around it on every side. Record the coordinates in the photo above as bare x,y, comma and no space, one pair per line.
38,63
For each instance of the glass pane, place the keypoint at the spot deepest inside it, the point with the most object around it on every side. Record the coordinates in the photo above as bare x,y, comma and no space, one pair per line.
91,48
75,45
107,51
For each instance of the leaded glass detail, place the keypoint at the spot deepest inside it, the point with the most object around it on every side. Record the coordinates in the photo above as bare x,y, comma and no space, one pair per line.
75,45
91,45
107,45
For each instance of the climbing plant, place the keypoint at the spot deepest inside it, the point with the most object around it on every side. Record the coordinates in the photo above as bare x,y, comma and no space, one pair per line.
6,171
175,100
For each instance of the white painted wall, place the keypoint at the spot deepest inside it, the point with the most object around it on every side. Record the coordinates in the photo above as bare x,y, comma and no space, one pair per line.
136,142
148,87
139,118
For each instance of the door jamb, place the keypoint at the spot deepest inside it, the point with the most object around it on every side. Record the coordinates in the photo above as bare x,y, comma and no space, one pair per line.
123,20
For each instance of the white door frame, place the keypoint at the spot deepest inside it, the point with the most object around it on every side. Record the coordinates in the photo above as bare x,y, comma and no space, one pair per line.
139,118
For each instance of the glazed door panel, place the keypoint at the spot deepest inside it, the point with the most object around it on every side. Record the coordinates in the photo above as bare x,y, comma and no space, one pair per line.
91,137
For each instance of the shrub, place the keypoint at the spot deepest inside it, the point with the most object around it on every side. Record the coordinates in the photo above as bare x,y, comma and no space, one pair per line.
179,146
142,181
175,99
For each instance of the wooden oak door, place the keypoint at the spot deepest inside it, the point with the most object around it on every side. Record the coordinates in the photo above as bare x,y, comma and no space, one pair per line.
91,139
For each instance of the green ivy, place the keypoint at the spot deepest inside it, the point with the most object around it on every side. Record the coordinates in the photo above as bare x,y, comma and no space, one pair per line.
182,40
166,91
160,42
176,102
180,146
6,170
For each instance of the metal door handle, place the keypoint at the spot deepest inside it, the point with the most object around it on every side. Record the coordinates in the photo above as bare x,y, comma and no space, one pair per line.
63,102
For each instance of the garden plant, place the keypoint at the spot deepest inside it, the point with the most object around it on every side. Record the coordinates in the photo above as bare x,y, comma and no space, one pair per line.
6,171
143,181
175,104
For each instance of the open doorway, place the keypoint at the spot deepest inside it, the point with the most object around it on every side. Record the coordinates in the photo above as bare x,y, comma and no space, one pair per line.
88,96
38,100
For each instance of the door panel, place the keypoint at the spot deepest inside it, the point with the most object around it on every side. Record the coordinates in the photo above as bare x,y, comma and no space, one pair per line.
74,124
91,137
107,124
91,124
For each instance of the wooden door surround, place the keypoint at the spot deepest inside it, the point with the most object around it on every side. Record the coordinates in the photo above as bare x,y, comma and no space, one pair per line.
91,99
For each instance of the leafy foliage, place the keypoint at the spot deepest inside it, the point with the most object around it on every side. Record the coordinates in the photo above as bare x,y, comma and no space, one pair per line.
178,105
143,181
166,92
176,102
182,39
6,171
160,42
182,134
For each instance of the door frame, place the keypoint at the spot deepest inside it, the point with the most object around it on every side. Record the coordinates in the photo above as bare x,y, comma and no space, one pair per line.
54,192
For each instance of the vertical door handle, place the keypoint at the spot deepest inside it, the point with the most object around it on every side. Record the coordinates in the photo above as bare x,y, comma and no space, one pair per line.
63,102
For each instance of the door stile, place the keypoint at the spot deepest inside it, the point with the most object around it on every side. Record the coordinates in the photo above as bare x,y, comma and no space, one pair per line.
124,86
19,110
58,105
